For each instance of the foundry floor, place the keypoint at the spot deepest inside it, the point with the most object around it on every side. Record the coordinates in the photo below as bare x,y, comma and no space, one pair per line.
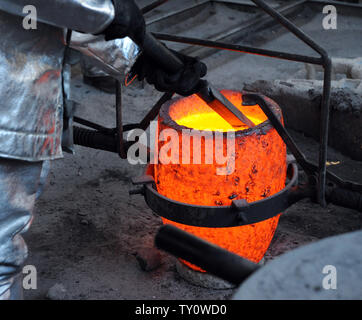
87,229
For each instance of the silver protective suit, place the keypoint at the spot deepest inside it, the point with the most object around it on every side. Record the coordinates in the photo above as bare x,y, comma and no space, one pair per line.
105,57
33,93
31,69
88,16
19,186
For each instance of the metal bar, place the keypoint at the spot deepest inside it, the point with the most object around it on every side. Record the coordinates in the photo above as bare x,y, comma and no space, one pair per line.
91,124
119,125
215,260
130,126
349,185
175,12
98,140
243,4
324,130
152,6
152,114
94,139
239,48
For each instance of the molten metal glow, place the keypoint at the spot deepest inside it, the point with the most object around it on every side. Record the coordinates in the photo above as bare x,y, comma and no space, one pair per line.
260,171
210,120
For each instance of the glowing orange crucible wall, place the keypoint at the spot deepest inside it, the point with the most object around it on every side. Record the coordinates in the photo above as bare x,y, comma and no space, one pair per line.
260,170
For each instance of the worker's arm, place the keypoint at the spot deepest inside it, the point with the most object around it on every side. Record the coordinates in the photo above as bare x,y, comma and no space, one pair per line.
115,58
89,16
185,82
95,20
115,19
115,52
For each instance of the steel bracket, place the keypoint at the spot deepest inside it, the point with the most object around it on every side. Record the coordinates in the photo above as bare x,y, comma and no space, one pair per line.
239,213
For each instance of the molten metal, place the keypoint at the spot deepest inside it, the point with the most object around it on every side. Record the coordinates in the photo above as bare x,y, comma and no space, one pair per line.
260,171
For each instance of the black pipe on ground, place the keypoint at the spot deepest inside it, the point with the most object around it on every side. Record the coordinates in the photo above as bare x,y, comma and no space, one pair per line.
345,198
94,139
211,258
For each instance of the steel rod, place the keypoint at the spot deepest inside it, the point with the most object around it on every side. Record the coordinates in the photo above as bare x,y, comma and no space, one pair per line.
94,139
175,12
239,48
152,6
324,130
91,124
152,114
215,260
119,125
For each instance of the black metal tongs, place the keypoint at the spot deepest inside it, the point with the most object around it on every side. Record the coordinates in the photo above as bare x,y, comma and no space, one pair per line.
214,99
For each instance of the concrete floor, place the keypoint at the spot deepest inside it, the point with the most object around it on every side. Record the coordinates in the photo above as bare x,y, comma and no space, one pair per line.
87,229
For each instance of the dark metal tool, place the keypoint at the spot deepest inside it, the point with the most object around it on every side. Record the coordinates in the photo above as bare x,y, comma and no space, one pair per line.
215,100
215,260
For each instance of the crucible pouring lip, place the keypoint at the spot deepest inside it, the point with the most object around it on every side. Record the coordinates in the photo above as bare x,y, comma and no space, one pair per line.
260,129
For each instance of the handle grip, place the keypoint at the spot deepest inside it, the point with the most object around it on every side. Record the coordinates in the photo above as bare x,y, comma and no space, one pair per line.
161,55
221,263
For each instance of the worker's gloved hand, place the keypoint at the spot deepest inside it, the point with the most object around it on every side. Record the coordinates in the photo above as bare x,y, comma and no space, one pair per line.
128,22
185,82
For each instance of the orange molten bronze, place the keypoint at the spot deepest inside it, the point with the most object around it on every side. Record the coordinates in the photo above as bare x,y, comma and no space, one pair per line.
260,171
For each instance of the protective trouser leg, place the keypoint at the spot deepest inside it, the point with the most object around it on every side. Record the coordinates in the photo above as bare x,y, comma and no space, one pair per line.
19,182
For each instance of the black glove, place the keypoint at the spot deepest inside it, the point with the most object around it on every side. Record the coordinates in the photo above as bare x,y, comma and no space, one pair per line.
128,22
185,82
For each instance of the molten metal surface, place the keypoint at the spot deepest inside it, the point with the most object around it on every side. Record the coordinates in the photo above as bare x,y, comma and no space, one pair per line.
202,117
260,171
